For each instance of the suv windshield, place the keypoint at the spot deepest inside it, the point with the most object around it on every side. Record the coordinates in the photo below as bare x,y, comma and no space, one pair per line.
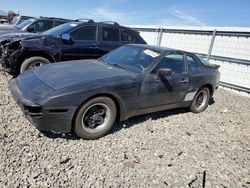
25,23
132,58
61,29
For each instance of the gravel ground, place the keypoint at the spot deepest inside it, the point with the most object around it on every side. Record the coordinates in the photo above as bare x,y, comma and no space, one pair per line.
173,148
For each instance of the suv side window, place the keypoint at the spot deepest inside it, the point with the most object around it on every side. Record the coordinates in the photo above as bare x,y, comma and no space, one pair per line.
192,64
174,61
41,25
128,36
56,23
87,33
110,34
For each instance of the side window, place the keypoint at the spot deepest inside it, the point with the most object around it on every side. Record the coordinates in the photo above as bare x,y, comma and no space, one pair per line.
87,33
128,36
110,34
174,61
192,64
42,25
56,23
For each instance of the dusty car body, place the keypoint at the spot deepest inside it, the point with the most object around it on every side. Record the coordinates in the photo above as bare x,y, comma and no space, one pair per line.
135,79
53,47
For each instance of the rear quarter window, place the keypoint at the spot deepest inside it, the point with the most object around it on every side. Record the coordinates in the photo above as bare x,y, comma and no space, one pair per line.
127,36
193,66
56,23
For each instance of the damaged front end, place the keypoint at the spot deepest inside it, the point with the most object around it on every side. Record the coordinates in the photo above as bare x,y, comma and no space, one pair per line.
10,53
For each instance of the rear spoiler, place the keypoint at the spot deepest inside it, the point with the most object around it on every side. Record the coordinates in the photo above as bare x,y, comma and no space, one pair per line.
212,66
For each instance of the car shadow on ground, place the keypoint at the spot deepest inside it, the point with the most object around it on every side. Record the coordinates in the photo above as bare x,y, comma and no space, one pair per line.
151,116
128,123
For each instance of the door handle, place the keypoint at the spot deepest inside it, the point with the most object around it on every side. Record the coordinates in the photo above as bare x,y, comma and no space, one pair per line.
183,81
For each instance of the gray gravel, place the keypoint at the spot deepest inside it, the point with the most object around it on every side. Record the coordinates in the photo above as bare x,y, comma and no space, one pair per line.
167,149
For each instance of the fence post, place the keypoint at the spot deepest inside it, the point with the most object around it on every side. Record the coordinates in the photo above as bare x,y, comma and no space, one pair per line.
211,45
160,36
159,32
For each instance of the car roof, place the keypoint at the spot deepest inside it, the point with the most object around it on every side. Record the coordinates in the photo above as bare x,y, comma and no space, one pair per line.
155,48
23,16
104,23
51,18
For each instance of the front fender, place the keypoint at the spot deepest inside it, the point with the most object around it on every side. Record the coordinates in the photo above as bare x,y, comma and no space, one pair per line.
38,46
126,97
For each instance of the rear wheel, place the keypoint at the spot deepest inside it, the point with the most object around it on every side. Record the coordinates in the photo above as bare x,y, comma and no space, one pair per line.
33,62
95,118
200,101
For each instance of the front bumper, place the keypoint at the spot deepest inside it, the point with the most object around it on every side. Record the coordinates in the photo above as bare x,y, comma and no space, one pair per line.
44,119
9,64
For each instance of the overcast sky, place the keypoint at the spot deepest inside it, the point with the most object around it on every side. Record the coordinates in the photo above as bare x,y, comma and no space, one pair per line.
142,12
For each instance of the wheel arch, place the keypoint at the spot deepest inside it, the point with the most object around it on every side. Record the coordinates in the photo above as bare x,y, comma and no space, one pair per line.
117,100
210,87
44,54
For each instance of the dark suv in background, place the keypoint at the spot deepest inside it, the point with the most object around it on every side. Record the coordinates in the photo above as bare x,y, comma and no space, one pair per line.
34,25
83,39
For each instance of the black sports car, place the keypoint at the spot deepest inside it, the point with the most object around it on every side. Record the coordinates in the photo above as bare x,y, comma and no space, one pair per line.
88,96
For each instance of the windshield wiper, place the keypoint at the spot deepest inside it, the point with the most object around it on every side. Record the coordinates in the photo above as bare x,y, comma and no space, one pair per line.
113,64
117,65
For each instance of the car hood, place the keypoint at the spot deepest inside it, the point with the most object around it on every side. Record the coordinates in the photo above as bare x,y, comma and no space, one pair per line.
66,74
6,26
16,36
11,30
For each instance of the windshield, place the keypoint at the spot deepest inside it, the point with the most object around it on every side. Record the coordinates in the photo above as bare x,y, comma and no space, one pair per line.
14,21
25,23
132,58
61,29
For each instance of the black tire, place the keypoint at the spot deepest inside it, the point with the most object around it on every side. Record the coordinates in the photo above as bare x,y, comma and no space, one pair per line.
93,111
200,101
33,62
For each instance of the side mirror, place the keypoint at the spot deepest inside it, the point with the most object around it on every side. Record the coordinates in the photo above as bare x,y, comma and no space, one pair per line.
164,72
66,38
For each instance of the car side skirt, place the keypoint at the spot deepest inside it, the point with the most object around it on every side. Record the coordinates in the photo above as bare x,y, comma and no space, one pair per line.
183,104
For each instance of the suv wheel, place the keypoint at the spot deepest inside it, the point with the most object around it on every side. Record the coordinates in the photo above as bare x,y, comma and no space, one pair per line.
200,101
95,118
33,62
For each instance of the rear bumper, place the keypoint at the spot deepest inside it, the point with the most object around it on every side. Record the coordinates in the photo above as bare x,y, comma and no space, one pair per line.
44,119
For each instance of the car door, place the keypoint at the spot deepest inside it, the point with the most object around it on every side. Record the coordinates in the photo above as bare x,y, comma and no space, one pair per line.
163,90
110,39
84,44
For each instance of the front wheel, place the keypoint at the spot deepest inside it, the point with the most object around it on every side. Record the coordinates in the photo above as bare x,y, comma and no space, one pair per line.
200,101
33,62
95,118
